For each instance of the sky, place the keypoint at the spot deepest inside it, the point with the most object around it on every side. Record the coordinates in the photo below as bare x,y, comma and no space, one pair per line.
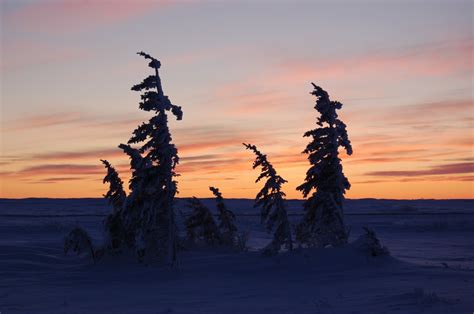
241,70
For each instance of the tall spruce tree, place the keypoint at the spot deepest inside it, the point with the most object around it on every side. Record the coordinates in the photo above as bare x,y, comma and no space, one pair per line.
323,221
153,163
116,196
271,200
227,227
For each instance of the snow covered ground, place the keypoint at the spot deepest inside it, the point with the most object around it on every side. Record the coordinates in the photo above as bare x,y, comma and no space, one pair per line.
431,269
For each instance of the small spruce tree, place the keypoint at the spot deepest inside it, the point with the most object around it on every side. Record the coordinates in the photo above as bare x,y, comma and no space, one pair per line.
116,196
271,200
79,242
227,227
323,221
370,244
200,225
135,201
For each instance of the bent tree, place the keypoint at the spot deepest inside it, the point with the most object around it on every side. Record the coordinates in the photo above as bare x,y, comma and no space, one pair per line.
157,225
148,216
200,224
227,227
271,201
323,221
116,197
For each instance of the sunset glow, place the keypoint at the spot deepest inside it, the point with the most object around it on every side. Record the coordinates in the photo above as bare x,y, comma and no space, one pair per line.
241,72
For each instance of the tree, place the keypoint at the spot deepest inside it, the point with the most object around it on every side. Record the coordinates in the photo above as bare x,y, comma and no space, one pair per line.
79,241
200,225
370,244
323,222
227,227
153,188
132,212
116,197
271,200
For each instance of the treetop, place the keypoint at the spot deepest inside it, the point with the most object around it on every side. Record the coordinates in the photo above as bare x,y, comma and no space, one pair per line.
154,63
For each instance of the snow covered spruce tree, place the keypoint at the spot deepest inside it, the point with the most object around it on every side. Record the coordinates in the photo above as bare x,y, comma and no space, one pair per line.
150,209
116,196
132,210
79,242
200,225
271,200
227,227
323,221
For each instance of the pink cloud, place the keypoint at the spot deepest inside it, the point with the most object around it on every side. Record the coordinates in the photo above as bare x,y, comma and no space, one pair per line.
17,54
244,98
81,120
44,120
415,115
428,60
78,15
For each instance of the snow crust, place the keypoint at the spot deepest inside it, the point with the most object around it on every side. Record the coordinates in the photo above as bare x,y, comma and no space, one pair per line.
430,269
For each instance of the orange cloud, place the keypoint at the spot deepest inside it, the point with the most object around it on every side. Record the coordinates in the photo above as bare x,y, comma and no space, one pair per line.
437,178
95,154
210,166
458,168
206,145
67,169
57,180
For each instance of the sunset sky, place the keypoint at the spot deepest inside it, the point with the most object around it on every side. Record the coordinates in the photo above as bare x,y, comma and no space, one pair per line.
241,70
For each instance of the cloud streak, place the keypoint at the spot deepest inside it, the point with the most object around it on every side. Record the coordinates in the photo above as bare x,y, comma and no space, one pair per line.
67,169
78,15
56,180
74,155
457,168
44,120
246,99
437,59
17,54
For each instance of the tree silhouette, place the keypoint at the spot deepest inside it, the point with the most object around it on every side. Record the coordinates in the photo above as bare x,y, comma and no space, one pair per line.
132,212
200,225
147,215
226,217
271,200
323,222
116,196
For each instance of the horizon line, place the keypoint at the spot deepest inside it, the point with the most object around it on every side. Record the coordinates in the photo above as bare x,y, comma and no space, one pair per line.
237,198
